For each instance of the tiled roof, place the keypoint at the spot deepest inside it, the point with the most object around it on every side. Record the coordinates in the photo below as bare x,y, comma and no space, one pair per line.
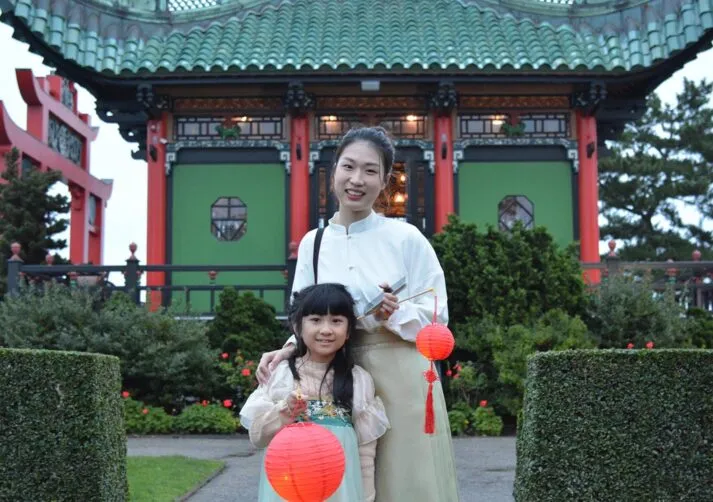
360,35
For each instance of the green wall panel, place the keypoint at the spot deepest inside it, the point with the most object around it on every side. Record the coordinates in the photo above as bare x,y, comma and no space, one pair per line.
482,185
195,188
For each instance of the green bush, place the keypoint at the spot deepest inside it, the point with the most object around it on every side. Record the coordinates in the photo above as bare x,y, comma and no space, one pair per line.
206,419
617,425
486,422
625,310
142,419
510,278
699,329
61,428
458,421
511,347
246,323
163,359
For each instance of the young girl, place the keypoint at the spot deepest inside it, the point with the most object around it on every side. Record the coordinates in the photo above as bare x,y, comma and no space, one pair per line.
321,382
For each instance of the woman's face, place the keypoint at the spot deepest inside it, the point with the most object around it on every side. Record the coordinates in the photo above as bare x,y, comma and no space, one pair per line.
358,177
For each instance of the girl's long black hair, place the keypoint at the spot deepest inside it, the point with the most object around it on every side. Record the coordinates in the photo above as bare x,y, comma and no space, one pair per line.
323,299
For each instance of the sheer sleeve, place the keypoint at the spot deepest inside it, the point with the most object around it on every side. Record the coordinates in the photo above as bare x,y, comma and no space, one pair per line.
368,415
424,272
265,412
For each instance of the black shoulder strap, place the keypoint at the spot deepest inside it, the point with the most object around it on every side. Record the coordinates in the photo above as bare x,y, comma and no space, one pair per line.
315,255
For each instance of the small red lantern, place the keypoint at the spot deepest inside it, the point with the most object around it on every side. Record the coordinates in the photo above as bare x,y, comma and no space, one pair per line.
436,343
305,463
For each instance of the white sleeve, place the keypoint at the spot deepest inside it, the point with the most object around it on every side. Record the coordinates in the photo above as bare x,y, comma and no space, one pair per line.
424,272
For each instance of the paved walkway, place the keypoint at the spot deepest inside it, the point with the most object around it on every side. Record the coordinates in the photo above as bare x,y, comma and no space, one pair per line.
486,466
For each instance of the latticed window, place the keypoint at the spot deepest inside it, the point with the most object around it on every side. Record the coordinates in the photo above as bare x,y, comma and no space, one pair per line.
228,128
228,219
514,208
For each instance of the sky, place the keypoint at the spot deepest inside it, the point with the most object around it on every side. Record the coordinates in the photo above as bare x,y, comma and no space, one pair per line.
111,155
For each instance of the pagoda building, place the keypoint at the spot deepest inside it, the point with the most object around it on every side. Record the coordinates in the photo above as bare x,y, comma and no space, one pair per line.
499,109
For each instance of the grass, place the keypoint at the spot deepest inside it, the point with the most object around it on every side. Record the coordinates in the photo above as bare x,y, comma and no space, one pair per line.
159,479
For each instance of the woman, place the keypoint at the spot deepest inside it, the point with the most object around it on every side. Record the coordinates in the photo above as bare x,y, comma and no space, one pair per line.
368,252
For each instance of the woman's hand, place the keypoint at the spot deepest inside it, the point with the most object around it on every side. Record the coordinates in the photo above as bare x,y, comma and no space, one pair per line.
389,305
269,361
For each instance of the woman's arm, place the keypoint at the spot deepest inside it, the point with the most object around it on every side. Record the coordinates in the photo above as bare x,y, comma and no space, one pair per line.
424,273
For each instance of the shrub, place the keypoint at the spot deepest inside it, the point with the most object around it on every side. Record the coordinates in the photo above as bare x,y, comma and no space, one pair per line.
140,418
511,347
699,329
61,428
617,425
245,322
486,422
458,421
625,310
163,359
509,278
206,419
240,377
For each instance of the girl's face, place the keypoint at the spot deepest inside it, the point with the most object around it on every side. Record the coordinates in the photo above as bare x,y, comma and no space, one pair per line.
358,178
324,335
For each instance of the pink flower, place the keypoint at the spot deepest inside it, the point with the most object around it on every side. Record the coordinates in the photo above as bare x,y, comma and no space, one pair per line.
483,403
630,345
227,403
649,345
204,403
145,411
245,372
449,373
125,394
225,355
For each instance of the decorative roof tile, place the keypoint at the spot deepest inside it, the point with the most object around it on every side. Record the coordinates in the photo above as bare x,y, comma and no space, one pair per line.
363,35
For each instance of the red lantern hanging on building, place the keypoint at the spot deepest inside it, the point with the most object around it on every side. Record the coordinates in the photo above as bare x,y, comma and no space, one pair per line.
305,463
435,342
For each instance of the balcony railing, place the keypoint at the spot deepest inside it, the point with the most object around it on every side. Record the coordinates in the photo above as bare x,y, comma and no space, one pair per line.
99,277
692,280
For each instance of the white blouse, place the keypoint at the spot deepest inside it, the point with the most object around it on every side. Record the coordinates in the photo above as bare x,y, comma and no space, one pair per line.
373,251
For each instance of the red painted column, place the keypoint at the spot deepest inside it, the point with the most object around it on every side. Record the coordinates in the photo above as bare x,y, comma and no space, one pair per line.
156,217
78,224
443,179
588,194
299,178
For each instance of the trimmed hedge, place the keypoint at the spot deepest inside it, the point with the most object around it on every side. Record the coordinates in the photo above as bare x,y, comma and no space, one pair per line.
617,425
61,427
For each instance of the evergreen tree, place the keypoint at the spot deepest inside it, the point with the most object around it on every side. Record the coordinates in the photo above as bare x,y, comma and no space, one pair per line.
660,162
29,214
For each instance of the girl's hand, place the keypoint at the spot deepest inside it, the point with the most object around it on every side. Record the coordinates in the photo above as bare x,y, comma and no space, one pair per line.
389,305
295,404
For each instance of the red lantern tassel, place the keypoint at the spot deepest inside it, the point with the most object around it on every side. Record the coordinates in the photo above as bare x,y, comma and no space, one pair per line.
430,424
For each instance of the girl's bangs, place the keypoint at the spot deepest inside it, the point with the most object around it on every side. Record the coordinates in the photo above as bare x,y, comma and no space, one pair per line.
327,299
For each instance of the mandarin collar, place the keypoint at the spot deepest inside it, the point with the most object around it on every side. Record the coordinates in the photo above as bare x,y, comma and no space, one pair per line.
358,226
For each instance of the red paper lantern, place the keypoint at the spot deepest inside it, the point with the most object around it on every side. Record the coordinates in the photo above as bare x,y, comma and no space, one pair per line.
305,463
436,343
